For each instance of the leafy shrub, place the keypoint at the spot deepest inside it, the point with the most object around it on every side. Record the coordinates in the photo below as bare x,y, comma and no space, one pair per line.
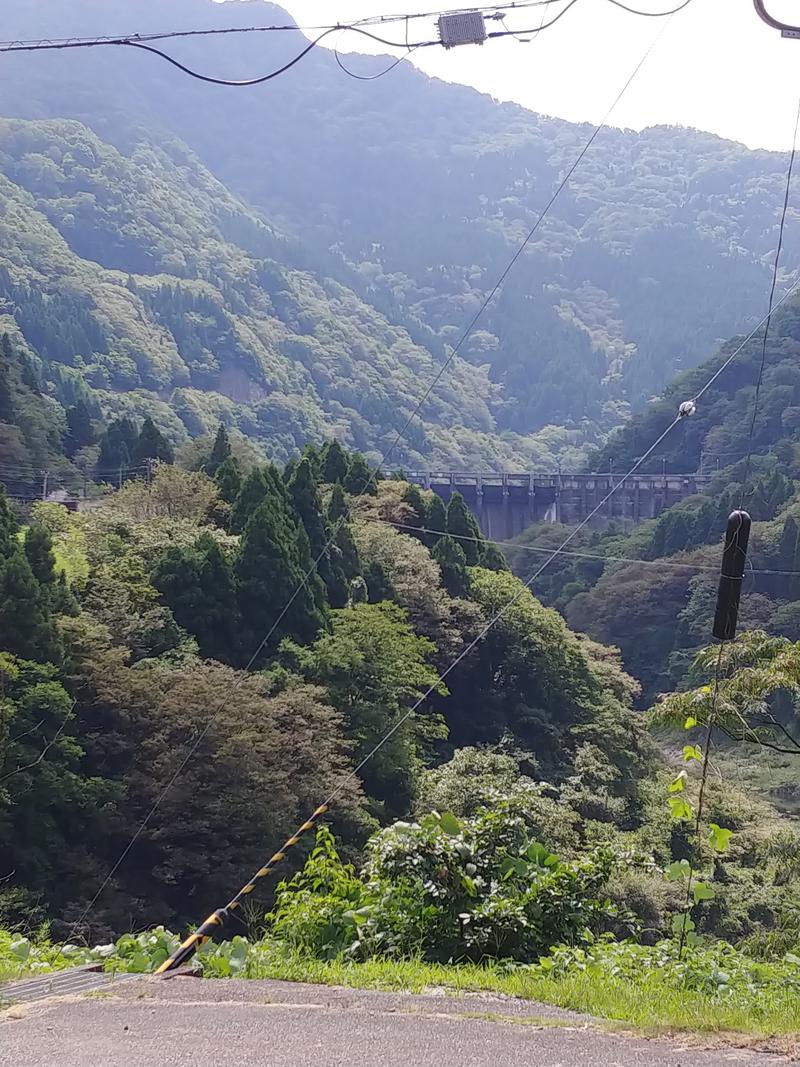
322,907
446,889
477,778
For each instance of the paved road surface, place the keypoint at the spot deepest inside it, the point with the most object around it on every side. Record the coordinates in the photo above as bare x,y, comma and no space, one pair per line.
187,1022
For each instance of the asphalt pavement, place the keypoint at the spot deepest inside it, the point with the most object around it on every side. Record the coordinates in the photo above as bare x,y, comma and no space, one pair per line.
188,1022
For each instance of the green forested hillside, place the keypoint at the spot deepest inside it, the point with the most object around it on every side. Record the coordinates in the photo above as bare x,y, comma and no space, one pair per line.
142,286
128,634
412,192
659,612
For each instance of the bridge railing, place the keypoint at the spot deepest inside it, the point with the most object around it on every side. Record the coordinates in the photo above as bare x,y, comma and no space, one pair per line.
557,480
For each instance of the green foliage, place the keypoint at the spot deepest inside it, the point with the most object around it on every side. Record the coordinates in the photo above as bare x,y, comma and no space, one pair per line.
529,676
220,452
251,494
756,671
337,506
53,588
332,567
274,568
151,445
717,971
39,553
80,432
374,667
461,525
49,809
228,480
436,519
379,586
452,561
197,584
31,427
117,446
492,559
418,511
27,627
360,478
444,888
335,463
601,340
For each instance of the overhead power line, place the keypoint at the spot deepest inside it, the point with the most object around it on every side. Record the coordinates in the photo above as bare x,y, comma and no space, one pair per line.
146,42
489,11
574,554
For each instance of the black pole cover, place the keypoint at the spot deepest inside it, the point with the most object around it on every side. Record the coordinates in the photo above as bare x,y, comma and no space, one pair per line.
734,558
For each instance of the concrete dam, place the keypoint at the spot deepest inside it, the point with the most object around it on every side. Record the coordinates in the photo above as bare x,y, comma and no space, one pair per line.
505,504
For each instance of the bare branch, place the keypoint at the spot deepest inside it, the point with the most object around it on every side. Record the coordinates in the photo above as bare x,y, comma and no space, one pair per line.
45,750
32,730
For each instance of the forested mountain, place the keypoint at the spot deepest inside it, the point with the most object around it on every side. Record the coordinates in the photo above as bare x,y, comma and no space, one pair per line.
659,612
409,192
142,286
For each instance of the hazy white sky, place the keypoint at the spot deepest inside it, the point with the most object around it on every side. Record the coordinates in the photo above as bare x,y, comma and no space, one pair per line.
716,67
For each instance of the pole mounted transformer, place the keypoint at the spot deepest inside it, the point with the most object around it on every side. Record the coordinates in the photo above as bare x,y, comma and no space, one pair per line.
786,28
467,28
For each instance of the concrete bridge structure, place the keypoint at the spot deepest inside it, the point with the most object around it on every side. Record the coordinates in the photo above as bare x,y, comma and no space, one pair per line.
505,504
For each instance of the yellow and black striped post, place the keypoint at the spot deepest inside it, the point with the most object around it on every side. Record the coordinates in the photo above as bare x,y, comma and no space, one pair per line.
217,919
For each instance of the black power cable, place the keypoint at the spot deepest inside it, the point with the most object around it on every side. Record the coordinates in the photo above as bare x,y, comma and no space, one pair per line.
770,308
280,70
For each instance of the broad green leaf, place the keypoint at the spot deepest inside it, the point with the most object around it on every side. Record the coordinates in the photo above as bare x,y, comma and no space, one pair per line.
469,885
507,867
540,855
680,808
691,752
536,853
21,949
682,923
450,824
701,891
678,871
720,838
678,783
690,723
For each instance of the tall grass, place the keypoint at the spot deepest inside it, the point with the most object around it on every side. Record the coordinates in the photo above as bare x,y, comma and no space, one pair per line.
649,1003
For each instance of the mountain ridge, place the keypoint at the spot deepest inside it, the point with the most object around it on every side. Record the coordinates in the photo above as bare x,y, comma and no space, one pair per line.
414,193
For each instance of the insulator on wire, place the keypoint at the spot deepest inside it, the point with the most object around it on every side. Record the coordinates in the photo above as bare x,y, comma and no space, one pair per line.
734,557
